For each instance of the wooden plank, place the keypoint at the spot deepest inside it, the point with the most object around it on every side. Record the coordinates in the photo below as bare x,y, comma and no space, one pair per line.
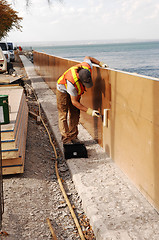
19,114
23,146
9,144
11,162
12,170
6,85
7,130
14,97
7,79
20,142
21,126
11,134
7,135
8,154
14,135
22,150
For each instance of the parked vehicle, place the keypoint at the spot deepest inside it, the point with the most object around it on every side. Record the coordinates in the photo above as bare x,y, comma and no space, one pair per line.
3,62
4,47
11,50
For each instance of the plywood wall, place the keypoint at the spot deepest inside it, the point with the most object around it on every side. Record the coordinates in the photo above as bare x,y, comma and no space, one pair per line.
132,135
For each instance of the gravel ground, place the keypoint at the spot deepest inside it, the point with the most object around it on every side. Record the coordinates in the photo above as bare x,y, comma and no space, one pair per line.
32,197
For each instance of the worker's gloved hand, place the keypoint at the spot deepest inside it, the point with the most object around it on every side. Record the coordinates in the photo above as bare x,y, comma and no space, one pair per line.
93,113
103,65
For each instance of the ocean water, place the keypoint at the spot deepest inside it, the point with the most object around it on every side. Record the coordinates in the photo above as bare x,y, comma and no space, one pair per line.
138,57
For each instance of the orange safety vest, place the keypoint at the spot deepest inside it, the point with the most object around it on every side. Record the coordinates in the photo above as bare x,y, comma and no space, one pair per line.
72,76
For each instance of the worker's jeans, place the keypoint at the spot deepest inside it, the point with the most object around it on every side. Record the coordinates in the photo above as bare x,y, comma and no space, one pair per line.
68,124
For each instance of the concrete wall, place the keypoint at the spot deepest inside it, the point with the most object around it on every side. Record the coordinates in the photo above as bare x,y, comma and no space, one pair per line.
131,134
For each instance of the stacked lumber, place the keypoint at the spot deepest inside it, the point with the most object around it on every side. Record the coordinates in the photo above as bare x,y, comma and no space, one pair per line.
6,79
13,135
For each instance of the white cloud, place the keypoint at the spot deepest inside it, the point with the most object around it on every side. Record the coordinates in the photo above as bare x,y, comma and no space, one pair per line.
88,19
54,22
154,13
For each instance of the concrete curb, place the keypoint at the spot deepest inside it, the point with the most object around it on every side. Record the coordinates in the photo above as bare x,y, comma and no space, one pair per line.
117,211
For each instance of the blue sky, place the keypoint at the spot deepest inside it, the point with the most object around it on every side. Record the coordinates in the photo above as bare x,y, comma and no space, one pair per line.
87,20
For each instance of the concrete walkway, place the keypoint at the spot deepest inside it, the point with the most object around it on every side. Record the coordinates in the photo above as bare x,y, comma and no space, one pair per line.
117,211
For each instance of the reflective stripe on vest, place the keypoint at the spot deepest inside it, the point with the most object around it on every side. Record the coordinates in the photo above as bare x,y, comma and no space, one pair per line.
62,77
74,75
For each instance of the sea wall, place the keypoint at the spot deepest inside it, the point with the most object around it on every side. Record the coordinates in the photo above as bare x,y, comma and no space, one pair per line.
129,132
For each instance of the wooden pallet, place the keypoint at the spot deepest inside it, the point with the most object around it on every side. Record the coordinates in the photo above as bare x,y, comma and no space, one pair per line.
13,135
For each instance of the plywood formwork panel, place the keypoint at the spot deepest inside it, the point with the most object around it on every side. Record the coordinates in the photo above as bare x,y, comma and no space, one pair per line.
98,98
133,134
14,97
13,135
137,94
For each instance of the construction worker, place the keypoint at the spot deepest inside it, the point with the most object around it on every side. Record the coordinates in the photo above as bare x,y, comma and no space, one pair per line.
70,86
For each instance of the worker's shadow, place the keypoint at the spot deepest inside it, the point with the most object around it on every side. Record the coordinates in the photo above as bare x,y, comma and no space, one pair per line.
98,91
